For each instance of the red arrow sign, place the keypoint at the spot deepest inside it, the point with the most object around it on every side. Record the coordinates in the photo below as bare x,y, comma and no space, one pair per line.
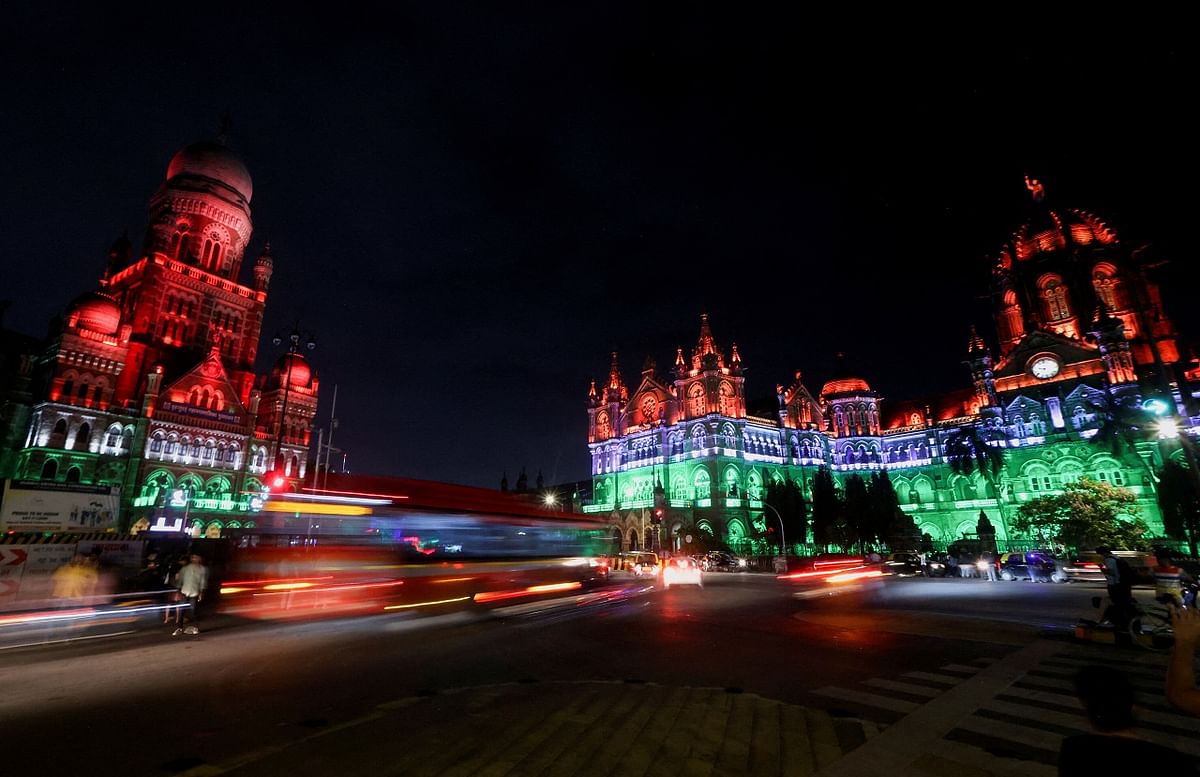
11,557
9,587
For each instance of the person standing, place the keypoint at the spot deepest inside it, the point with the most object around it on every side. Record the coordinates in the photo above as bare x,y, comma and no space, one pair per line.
1168,578
989,558
1119,577
193,581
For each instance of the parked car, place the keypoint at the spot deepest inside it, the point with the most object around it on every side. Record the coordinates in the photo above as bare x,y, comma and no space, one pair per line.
903,565
1037,565
682,570
719,561
936,565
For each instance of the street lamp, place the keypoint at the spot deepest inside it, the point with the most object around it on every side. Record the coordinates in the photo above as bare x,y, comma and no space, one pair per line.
293,339
782,539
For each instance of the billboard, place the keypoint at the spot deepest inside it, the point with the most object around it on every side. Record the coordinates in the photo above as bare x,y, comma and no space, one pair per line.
31,505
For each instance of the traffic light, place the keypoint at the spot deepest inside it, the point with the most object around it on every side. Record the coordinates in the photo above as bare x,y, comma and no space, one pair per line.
275,481
658,515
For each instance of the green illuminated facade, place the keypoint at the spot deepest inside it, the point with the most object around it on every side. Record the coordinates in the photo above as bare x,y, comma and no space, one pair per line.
1083,343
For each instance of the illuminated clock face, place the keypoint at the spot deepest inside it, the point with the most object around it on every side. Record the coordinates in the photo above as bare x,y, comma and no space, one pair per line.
649,409
1044,367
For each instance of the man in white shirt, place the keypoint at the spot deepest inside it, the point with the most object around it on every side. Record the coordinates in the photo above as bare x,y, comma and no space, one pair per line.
192,581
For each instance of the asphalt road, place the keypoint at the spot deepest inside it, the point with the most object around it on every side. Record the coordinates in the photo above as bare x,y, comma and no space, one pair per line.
148,703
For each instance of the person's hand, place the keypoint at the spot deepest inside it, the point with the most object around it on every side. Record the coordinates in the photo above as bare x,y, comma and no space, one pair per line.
1186,624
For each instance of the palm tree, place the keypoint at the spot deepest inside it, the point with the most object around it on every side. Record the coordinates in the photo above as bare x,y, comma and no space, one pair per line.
1121,427
970,449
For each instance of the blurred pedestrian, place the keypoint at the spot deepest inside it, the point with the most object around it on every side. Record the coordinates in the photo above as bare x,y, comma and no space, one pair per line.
74,581
1181,672
193,581
1168,578
1119,577
1107,698
170,579
989,559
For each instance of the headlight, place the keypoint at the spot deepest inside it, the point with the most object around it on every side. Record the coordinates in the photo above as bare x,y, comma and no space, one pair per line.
981,565
935,565
741,562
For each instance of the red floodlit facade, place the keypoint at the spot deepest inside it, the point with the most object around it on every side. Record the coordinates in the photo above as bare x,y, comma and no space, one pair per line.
147,383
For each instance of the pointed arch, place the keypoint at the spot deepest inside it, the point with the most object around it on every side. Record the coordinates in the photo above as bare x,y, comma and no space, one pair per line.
50,469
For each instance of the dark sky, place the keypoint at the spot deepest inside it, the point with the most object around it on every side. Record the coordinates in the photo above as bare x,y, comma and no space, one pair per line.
473,205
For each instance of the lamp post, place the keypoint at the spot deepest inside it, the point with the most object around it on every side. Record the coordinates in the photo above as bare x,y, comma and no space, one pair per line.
782,538
293,338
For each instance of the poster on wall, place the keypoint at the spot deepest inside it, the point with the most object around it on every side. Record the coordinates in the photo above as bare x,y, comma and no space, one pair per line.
31,505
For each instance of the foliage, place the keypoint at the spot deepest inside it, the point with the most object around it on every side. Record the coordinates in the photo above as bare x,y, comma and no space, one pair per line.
967,451
788,499
1084,515
856,515
1179,505
826,508
903,534
883,507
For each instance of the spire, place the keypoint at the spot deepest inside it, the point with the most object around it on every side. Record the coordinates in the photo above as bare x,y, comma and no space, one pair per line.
263,268
680,364
705,344
735,358
975,344
614,373
592,391
1035,188
119,255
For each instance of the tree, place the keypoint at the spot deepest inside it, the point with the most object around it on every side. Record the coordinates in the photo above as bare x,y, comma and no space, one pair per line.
1122,427
986,532
1178,503
903,534
884,506
857,513
1085,515
826,507
968,450
788,499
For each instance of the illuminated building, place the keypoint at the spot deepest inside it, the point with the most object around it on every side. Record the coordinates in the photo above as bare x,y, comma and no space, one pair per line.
1081,330
147,383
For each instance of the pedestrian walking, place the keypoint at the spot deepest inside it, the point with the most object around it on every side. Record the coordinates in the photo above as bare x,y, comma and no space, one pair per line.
193,581
989,559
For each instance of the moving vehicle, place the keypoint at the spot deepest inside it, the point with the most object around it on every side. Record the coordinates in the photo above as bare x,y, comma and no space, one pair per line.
641,563
719,561
682,570
903,565
1085,568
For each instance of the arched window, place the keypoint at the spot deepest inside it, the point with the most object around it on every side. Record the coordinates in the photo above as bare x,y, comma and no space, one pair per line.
50,469
259,458
196,449
209,449
172,445
1108,286
696,395
127,439
296,465
58,437
699,437
74,474
1039,477
83,437
702,483
1036,425
68,390
113,440
1054,298
156,442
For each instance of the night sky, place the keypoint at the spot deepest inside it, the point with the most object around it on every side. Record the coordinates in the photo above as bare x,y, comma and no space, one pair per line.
473,206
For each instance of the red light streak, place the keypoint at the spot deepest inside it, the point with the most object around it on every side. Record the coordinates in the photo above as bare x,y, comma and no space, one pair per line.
533,590
354,493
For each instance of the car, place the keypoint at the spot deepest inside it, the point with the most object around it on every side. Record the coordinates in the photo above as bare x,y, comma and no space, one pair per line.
903,565
1085,568
640,563
719,561
682,570
1036,565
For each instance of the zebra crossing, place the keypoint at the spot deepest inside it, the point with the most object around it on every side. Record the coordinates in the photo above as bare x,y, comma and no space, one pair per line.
1024,723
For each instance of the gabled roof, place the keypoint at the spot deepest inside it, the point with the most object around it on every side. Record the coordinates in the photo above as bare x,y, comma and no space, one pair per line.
209,374
1070,351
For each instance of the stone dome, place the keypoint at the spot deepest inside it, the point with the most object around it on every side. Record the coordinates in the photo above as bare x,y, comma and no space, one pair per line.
95,311
845,385
300,374
214,161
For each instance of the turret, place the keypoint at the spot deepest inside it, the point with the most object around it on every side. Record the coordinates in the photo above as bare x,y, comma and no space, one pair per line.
263,267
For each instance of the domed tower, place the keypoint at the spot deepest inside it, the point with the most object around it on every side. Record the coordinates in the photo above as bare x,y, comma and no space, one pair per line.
182,294
851,407
87,355
201,214
286,413
1060,266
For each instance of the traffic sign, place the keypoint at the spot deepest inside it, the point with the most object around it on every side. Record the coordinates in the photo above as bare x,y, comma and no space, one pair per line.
11,557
